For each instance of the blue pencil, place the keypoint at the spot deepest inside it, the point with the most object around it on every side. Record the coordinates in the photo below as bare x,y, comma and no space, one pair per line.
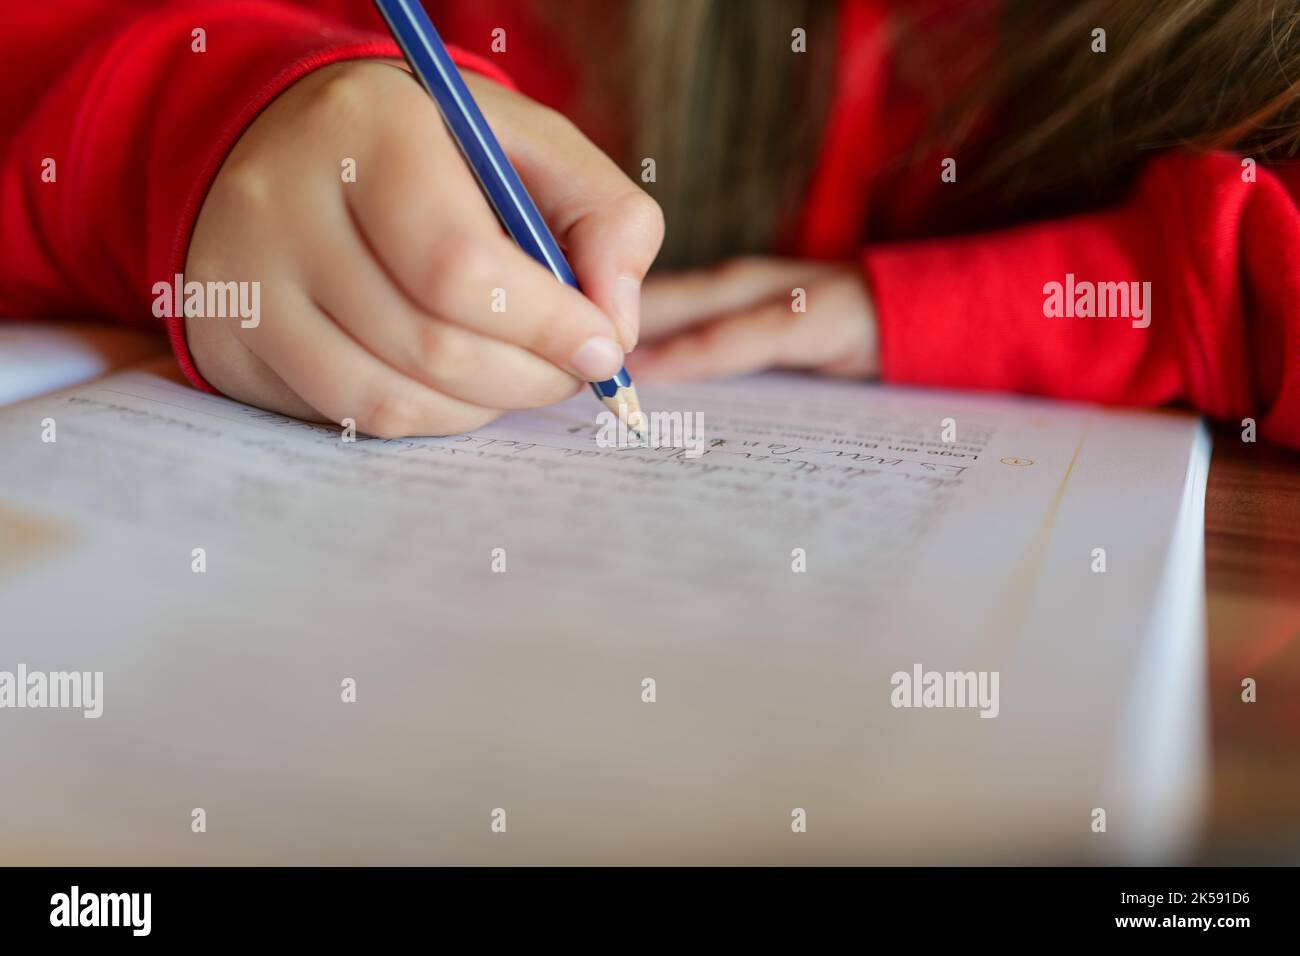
496,176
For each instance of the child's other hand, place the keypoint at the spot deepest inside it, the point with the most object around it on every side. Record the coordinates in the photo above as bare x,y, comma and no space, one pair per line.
381,298
740,317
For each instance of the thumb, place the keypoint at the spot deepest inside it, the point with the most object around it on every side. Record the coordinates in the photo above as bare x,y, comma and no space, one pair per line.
609,227
611,245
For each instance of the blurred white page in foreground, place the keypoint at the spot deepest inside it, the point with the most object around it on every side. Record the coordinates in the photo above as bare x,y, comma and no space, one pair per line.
523,689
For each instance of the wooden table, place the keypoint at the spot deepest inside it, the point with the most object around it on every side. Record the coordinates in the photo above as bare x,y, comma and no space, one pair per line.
1252,558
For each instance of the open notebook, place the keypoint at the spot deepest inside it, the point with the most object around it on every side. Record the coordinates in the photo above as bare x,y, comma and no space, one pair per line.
780,590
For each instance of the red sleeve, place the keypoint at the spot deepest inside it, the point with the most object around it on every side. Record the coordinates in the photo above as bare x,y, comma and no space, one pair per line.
137,123
1221,254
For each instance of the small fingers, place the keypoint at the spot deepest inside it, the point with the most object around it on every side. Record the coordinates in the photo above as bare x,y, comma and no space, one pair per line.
834,335
342,380
610,228
734,344
427,222
472,367
672,301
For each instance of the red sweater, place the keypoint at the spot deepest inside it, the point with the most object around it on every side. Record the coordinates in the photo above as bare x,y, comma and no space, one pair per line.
138,124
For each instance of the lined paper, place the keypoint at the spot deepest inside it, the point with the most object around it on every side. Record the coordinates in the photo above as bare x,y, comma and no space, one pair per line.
522,689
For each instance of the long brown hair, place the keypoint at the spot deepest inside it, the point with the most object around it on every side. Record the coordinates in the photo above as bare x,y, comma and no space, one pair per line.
720,101
732,116
1074,125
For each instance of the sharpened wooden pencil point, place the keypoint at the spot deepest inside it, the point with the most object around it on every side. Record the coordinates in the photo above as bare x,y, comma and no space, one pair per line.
625,404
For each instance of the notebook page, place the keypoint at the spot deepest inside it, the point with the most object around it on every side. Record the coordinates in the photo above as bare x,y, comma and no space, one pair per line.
500,599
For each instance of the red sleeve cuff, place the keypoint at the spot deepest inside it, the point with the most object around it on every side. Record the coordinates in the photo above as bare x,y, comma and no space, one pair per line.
969,312
1213,251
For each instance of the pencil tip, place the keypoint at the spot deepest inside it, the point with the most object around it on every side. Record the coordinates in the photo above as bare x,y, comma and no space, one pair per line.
627,407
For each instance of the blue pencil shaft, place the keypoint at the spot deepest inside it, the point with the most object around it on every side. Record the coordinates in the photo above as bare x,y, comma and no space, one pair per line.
501,185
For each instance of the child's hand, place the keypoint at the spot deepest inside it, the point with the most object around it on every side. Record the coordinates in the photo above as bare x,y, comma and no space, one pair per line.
381,299
740,317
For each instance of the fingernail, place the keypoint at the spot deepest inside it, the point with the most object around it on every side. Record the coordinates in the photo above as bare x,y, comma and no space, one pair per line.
627,309
597,359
